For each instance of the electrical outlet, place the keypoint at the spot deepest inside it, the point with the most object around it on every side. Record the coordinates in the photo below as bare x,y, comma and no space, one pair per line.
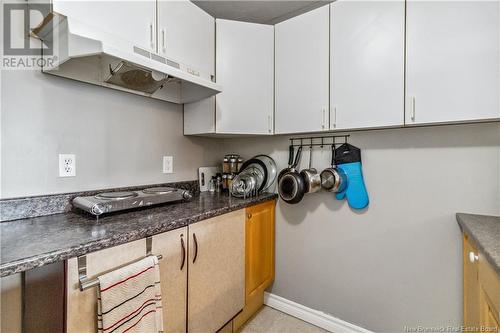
168,164
67,165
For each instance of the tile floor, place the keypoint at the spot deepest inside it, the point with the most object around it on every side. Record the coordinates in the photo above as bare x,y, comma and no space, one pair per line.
269,320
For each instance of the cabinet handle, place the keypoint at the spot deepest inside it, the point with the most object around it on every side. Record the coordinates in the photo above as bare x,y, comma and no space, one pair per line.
323,111
412,115
195,248
249,216
269,124
163,41
473,257
334,122
183,249
151,35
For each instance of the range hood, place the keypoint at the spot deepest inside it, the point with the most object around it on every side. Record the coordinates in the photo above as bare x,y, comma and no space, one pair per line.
85,53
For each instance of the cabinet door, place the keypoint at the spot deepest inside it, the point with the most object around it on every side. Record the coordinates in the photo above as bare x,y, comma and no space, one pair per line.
245,68
81,306
134,21
302,72
452,61
367,64
172,246
186,34
471,285
259,245
259,258
216,285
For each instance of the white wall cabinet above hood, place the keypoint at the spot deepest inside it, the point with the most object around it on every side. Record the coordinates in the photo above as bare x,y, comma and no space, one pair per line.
86,53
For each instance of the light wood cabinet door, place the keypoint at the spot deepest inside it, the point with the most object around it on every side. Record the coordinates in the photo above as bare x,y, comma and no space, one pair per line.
302,72
259,258
245,68
81,306
489,282
186,34
366,64
471,285
172,246
216,284
452,61
259,248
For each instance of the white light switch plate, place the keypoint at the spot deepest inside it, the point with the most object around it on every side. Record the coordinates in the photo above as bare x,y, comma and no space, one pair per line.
168,164
67,165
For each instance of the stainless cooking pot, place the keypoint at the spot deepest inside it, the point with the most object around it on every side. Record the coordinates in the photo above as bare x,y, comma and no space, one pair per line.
312,179
333,179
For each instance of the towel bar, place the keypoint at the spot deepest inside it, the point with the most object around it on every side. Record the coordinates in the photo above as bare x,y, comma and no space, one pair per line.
82,271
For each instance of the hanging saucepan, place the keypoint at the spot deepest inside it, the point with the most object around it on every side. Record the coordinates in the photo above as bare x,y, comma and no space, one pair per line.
291,186
312,179
290,163
333,179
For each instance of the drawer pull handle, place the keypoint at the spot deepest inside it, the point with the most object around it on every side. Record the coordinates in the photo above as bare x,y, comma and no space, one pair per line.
183,248
249,216
195,248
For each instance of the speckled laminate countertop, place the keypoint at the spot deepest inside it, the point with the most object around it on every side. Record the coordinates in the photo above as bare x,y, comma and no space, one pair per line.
34,242
485,232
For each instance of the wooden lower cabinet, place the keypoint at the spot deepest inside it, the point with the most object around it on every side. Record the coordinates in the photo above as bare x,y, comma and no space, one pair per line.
172,246
216,283
81,306
481,291
210,272
259,257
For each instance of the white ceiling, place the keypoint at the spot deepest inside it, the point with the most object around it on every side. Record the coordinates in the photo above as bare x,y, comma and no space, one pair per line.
257,11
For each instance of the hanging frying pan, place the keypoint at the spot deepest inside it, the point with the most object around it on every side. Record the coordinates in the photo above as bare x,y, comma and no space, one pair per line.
291,186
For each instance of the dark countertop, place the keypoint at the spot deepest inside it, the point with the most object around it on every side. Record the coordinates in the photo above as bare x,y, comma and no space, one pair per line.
485,233
34,242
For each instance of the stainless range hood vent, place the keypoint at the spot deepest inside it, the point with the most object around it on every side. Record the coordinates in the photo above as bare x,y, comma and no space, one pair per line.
87,54
133,77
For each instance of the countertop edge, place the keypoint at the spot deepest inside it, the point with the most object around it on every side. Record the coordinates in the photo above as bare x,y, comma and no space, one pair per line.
25,264
477,242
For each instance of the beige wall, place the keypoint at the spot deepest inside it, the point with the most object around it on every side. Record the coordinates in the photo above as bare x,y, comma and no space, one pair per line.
399,261
118,138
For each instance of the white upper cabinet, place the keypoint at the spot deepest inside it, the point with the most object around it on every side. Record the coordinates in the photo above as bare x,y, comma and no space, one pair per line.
134,21
453,60
302,72
186,34
245,69
367,64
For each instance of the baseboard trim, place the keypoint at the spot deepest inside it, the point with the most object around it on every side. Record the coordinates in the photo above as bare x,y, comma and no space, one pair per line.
315,317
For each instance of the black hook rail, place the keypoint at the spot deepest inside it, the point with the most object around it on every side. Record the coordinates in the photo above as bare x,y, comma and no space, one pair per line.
319,141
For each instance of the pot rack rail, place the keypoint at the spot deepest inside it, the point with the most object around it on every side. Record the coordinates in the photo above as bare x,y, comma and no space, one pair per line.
319,141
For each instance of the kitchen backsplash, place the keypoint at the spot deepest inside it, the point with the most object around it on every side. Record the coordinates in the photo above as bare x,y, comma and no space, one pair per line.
18,208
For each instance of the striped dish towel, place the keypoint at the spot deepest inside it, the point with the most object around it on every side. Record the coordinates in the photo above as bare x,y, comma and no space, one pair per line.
129,299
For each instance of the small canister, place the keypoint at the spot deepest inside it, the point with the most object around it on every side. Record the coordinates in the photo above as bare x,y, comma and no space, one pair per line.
224,182
233,164
225,165
230,178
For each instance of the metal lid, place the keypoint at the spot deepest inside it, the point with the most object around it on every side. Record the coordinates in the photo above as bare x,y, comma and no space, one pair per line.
116,195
